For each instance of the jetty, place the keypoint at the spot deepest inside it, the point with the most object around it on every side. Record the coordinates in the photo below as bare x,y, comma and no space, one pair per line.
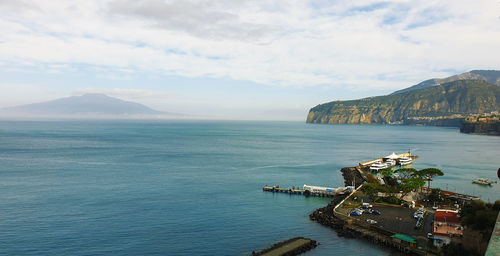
308,190
290,247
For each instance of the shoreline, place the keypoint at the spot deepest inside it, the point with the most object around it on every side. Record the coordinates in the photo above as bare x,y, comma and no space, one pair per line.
348,227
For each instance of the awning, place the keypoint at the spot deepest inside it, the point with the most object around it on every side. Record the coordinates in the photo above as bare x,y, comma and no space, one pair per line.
402,237
392,156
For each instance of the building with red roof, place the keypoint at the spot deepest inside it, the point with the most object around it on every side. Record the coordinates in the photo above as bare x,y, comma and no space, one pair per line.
446,217
446,225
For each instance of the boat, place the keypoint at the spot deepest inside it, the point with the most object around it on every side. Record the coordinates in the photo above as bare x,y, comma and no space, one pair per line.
483,181
378,166
405,161
390,162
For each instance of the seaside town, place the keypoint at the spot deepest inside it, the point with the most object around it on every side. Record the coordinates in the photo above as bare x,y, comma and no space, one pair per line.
387,202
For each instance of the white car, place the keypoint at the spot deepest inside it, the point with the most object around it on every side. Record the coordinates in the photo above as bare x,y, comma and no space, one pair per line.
366,206
371,221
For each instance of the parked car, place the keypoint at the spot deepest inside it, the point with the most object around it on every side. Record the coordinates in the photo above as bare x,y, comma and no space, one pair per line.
356,213
376,212
420,220
371,221
430,236
368,211
366,205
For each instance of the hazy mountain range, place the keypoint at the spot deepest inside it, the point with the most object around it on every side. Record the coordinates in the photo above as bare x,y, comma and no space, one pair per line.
87,105
435,99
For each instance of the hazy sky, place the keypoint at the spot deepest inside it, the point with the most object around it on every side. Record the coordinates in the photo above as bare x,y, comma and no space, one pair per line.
238,59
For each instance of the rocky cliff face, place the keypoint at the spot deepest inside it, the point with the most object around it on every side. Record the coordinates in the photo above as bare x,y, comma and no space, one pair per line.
454,99
487,127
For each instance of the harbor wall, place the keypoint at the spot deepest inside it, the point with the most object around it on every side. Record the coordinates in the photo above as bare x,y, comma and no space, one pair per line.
287,248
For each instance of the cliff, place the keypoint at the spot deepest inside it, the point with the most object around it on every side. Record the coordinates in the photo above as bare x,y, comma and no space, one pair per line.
445,101
485,125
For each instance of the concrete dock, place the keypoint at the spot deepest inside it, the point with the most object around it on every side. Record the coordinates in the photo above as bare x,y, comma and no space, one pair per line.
310,190
294,246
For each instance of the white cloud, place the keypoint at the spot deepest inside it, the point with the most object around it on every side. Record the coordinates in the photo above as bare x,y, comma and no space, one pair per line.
361,44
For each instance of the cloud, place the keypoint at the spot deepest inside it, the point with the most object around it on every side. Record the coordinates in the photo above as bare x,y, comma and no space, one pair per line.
362,45
125,93
205,19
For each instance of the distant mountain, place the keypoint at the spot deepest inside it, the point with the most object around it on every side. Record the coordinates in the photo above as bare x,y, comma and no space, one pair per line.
87,105
457,98
491,76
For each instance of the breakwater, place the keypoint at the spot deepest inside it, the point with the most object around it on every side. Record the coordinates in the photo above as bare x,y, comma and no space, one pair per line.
290,247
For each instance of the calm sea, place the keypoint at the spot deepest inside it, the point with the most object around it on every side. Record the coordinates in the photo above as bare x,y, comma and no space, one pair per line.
195,187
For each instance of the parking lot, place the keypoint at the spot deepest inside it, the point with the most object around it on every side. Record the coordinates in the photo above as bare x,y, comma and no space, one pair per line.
395,219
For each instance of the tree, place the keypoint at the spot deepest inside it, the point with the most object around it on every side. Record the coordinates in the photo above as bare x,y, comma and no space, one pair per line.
406,173
428,173
479,215
435,196
410,184
371,179
387,172
370,189
387,176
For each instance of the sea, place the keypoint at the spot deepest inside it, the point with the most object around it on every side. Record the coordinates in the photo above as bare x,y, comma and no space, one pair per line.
96,187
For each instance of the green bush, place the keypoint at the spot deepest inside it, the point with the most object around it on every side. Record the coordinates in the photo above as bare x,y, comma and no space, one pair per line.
479,215
388,200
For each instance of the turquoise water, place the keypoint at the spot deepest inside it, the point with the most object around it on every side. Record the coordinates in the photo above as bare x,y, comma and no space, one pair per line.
194,187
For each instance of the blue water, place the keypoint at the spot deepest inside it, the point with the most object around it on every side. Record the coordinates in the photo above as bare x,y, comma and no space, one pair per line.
194,187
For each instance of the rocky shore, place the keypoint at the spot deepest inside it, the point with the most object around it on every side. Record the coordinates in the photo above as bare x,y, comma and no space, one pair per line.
325,217
485,127
353,176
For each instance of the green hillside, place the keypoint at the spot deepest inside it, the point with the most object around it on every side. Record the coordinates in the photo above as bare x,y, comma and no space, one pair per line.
460,97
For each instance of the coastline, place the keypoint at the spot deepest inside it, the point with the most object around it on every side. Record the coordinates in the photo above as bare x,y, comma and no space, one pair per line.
348,227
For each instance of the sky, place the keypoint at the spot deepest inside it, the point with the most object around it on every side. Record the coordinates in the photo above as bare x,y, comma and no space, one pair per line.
238,59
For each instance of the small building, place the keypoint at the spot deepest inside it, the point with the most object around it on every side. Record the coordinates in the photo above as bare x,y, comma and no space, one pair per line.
446,225
405,240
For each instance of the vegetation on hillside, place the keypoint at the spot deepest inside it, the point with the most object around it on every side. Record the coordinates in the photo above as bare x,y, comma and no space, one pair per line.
460,97
409,180
479,215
